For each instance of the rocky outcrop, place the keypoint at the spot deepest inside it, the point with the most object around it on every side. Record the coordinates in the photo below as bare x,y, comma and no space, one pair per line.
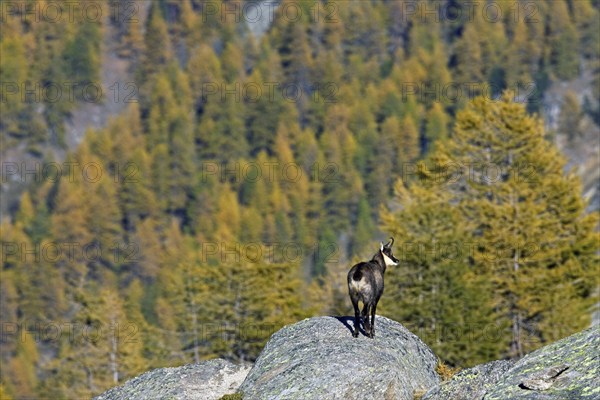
208,380
318,359
566,369
471,383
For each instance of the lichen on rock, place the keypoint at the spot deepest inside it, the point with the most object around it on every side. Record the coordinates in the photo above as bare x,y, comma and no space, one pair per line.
318,358
470,384
208,380
566,369
570,368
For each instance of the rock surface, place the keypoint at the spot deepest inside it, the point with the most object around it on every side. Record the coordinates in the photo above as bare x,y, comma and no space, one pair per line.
567,369
470,384
208,380
318,358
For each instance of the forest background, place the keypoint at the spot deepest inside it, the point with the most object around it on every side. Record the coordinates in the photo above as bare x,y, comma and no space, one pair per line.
180,179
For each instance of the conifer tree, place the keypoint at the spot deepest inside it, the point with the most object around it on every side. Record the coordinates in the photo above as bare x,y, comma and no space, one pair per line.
220,131
584,18
364,227
136,198
562,54
21,368
160,175
569,119
468,54
410,140
181,147
82,54
204,71
70,224
103,218
232,63
264,107
101,351
527,243
434,290
188,294
341,182
528,219
391,135
519,56
157,44
146,249
162,113
138,332
13,68
391,104
436,125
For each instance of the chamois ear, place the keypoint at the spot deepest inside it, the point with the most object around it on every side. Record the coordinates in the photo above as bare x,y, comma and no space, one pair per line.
381,246
389,244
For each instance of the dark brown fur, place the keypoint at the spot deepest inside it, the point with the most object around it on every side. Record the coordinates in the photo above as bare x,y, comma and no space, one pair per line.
365,283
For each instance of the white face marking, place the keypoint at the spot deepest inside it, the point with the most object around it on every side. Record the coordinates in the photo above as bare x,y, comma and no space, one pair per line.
388,261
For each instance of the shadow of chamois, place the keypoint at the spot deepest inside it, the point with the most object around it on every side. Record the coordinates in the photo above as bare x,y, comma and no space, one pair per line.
348,322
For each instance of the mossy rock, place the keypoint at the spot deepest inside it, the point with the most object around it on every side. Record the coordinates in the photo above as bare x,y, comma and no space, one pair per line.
566,369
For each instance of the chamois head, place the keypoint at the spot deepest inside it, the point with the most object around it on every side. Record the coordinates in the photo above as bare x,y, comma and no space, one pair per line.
386,252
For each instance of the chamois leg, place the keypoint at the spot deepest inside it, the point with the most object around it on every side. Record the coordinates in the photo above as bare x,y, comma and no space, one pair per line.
356,316
365,315
373,310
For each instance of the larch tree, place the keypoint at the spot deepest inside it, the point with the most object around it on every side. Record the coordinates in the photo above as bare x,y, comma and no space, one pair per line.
410,139
434,289
468,53
436,124
527,219
569,119
342,183
519,57
562,53
157,44
82,54
13,68
585,18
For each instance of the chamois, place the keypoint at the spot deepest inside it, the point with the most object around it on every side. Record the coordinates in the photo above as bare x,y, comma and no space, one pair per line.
365,283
